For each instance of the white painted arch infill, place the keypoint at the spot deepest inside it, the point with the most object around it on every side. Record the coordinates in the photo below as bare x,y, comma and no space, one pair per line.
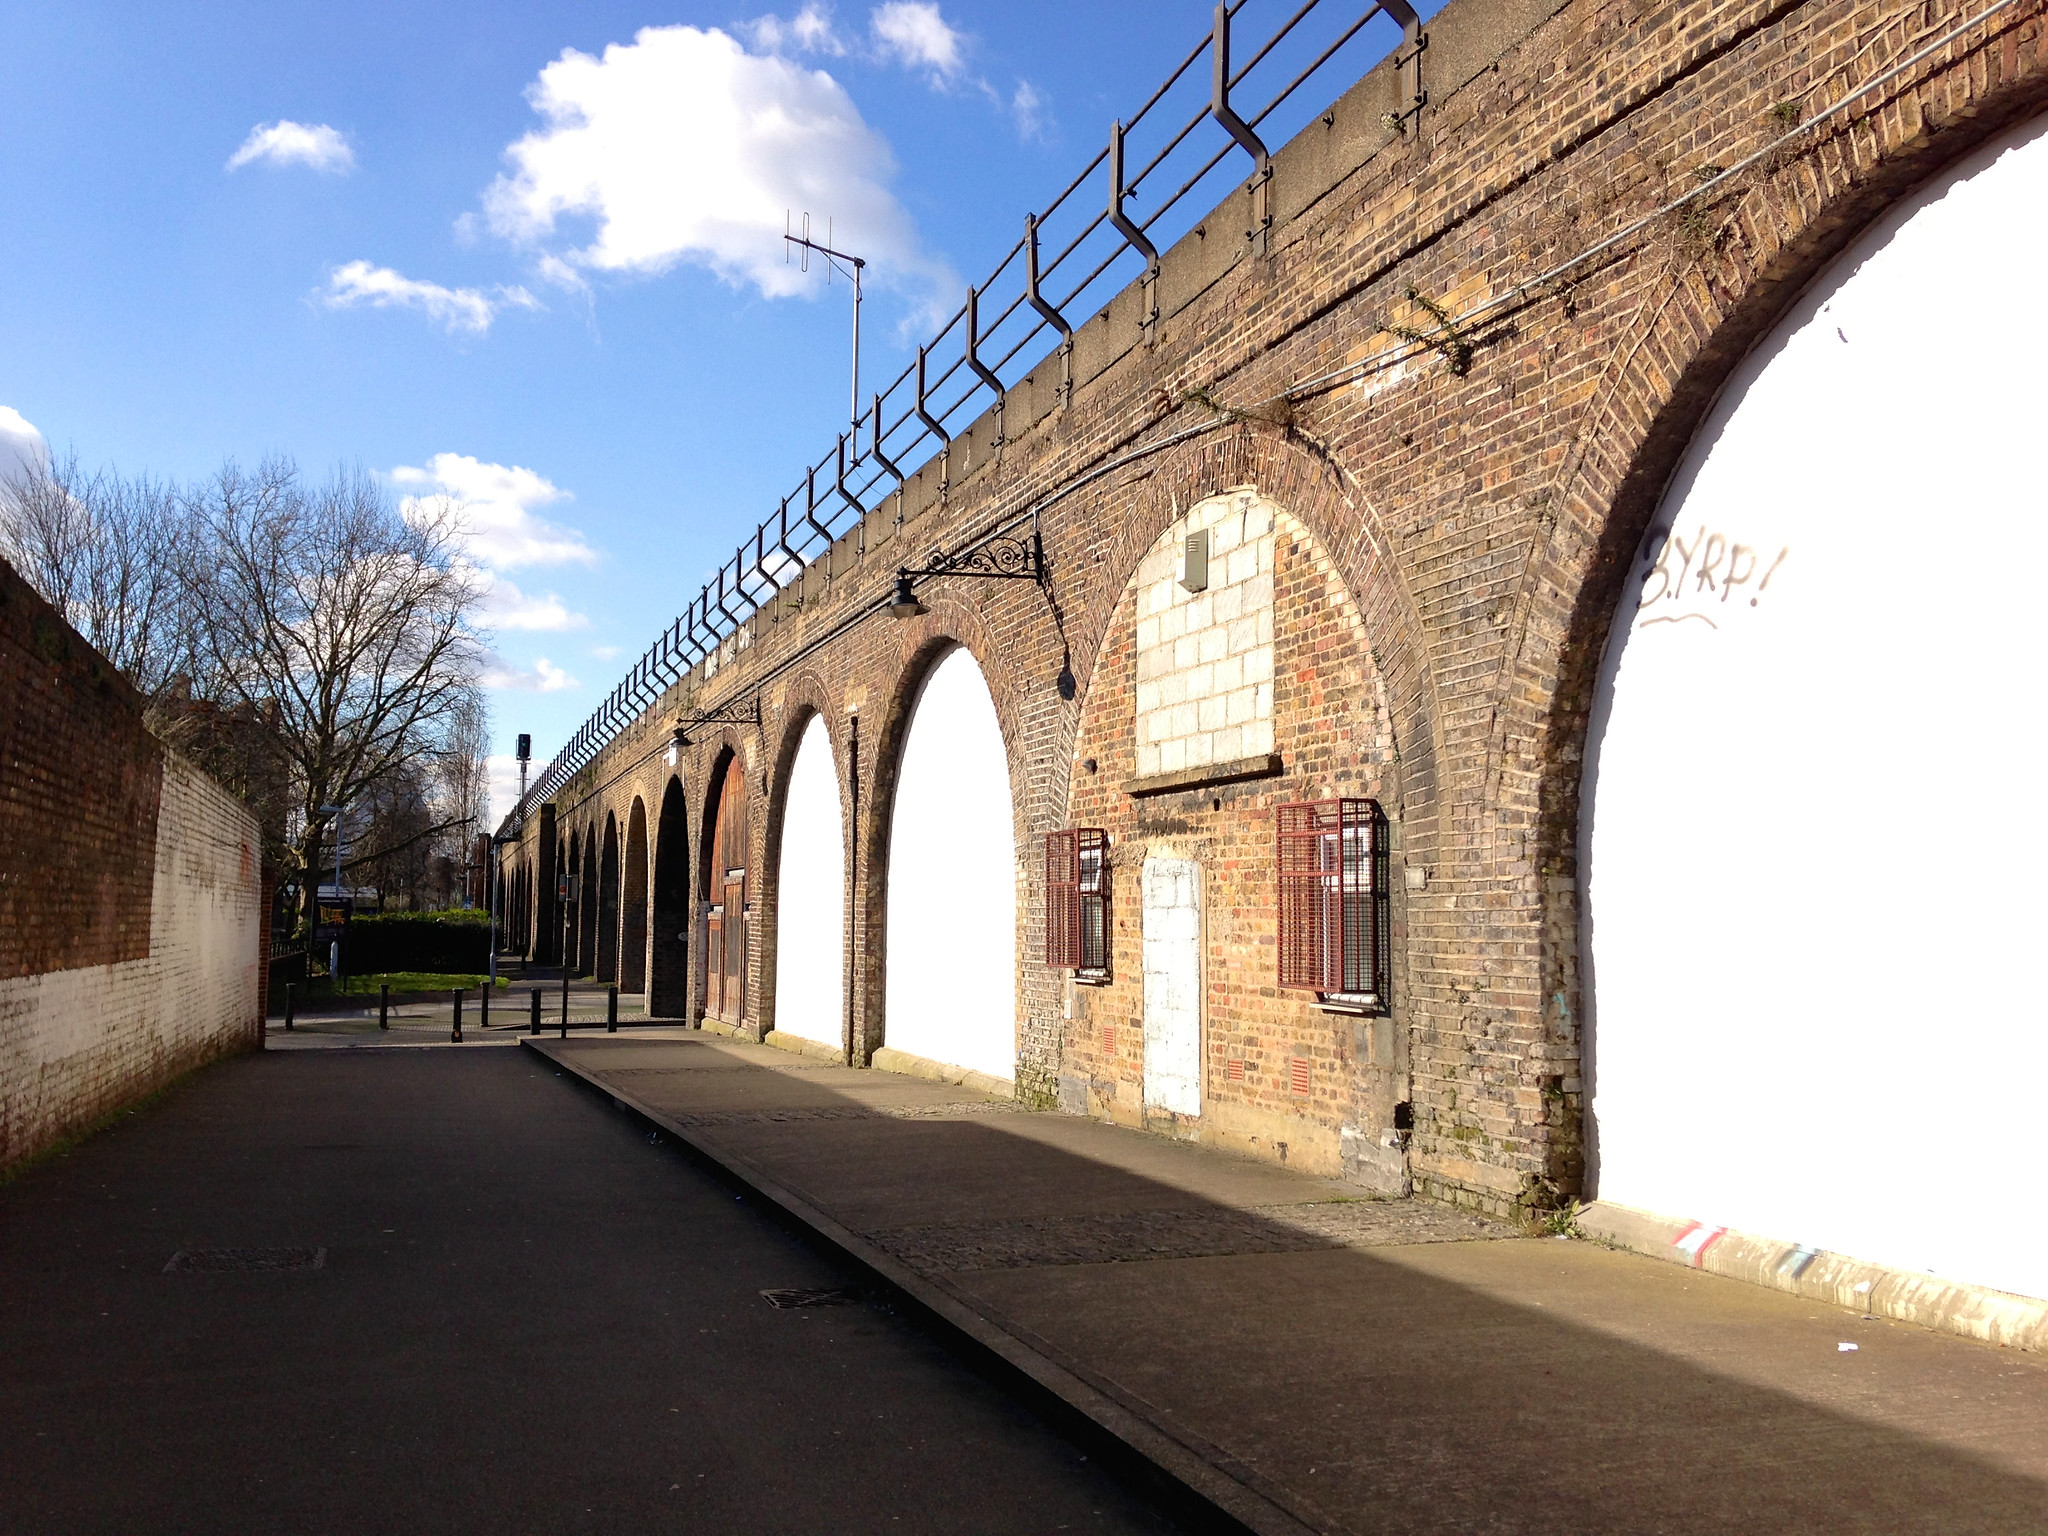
810,902
952,962
1812,831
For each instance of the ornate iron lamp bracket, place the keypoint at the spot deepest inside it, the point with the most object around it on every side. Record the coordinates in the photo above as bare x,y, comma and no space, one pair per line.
1001,557
745,711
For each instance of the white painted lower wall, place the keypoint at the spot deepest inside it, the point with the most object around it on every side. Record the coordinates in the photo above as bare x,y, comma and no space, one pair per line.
952,968
75,1044
1812,824
810,901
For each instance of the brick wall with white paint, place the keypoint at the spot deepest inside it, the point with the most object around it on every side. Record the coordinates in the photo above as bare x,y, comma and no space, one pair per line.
76,1044
131,892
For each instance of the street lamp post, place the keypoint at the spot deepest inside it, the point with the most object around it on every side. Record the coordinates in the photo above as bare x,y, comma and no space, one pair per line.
334,945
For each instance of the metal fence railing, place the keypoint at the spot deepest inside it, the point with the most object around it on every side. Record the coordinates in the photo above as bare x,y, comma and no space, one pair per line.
1074,255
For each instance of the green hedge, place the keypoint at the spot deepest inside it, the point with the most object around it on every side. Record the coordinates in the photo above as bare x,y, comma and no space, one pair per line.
418,941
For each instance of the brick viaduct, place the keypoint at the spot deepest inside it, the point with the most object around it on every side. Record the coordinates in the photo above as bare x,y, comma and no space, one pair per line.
1462,409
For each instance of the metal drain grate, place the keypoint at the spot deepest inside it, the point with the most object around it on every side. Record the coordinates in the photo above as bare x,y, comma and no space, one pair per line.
829,1296
244,1261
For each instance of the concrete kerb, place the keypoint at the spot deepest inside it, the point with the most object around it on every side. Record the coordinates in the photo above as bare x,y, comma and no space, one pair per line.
1196,1486
1948,1306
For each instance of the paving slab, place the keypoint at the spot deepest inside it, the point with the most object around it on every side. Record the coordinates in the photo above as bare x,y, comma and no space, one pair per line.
1310,1360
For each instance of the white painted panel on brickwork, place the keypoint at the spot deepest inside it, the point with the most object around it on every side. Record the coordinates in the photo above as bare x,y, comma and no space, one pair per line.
1812,824
1205,659
76,1043
810,947
1173,985
952,962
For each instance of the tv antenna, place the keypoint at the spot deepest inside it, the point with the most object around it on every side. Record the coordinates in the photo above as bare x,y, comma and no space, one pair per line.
847,266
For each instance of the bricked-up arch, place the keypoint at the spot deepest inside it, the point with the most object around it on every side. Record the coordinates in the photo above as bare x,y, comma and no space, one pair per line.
952,881
1275,618
572,904
727,890
807,847
608,902
1758,664
633,897
587,908
668,951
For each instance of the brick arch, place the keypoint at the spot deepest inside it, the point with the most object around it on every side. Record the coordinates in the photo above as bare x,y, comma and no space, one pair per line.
1344,524
635,894
1702,317
924,643
572,920
805,697
671,879
608,891
588,905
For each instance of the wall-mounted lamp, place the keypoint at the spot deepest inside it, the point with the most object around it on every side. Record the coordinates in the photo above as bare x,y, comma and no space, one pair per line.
903,603
676,743
1000,556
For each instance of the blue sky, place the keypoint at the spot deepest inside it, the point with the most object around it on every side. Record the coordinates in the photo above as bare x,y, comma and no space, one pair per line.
525,254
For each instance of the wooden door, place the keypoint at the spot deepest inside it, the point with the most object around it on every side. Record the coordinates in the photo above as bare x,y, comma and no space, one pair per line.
726,928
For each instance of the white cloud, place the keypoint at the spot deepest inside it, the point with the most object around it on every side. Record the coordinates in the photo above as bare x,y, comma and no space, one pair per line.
683,146
915,35
456,309
809,31
1027,110
605,652
498,502
545,677
288,143
21,445
506,607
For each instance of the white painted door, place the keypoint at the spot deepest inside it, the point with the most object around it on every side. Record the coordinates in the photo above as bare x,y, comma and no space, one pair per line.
1173,985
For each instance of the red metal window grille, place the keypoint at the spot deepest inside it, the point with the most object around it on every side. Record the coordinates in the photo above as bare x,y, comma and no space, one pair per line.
1297,1076
1332,857
1233,1070
1077,900
1109,1039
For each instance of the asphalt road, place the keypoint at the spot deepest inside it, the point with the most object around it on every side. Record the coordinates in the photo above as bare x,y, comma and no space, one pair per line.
528,1318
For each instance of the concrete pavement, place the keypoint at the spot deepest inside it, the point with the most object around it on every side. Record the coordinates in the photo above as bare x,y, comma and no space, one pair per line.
433,1290
1308,1360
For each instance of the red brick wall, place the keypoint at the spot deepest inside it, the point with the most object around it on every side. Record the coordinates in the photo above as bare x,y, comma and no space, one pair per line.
78,797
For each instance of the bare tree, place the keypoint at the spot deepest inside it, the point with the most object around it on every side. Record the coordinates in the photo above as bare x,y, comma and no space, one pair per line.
356,623
111,554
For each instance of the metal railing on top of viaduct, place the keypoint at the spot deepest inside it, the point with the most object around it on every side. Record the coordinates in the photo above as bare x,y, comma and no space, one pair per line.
862,469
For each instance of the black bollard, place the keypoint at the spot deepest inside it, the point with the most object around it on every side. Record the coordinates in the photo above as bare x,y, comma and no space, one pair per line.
291,1000
483,1005
611,1010
565,1002
384,1006
536,1010
457,1036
